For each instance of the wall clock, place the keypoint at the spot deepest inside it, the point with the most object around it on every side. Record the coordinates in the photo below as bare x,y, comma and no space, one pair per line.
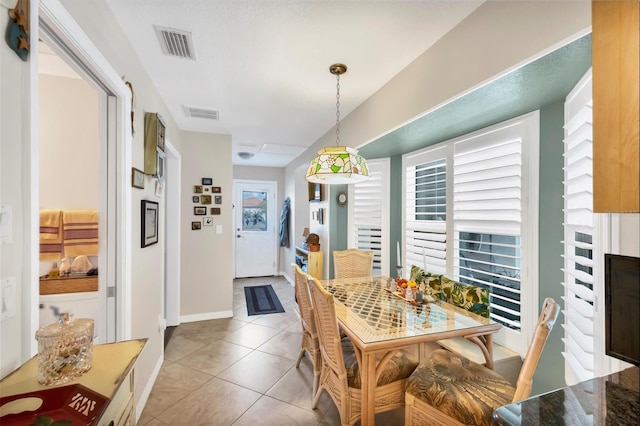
342,198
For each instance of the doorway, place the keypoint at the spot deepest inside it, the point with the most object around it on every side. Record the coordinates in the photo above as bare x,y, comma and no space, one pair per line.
68,41
256,228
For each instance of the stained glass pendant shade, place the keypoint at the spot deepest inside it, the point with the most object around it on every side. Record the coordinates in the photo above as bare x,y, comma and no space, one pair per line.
338,164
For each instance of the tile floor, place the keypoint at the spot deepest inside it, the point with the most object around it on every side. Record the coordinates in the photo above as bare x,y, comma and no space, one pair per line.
241,371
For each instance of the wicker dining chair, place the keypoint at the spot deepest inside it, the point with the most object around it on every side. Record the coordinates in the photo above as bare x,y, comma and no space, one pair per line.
340,375
448,389
309,343
352,263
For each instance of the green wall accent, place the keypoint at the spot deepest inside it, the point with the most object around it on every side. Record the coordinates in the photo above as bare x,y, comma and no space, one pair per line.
395,213
550,372
339,226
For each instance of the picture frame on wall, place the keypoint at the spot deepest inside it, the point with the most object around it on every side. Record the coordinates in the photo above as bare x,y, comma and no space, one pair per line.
216,189
196,198
316,191
149,223
205,199
207,181
199,210
197,189
215,210
196,226
137,178
218,199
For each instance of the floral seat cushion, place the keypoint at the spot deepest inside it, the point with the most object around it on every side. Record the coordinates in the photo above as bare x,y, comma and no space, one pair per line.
469,297
459,388
399,367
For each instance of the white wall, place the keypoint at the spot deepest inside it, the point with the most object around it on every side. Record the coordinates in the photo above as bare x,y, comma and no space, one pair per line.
207,258
69,154
13,84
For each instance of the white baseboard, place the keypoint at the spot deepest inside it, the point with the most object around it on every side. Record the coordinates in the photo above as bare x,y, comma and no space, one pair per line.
205,316
288,278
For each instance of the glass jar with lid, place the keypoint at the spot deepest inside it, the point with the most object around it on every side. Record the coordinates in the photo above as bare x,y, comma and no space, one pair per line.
65,349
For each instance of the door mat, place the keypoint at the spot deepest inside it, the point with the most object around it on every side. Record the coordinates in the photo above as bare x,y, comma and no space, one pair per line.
262,299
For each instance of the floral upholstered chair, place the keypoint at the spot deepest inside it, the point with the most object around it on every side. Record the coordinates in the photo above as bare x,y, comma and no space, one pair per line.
448,389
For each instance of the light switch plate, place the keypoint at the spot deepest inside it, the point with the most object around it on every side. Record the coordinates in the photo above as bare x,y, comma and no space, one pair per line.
6,234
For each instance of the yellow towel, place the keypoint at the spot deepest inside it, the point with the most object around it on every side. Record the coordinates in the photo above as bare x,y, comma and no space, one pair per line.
80,232
50,235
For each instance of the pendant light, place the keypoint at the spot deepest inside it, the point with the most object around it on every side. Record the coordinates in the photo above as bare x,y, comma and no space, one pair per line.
338,164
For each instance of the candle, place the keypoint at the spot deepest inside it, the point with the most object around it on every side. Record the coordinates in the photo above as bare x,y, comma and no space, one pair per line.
424,261
398,260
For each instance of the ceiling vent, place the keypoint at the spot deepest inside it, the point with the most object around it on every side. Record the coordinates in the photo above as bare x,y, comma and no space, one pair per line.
176,42
199,112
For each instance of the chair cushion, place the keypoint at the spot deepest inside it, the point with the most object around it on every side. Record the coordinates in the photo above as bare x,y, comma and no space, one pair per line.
399,367
459,388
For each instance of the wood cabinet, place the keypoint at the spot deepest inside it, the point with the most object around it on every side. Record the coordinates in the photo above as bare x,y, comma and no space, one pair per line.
111,375
311,262
616,117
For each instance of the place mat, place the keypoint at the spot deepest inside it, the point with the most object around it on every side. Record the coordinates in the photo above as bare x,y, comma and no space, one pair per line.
73,405
261,300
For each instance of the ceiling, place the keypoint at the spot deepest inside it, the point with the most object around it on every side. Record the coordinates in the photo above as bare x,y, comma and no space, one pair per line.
263,66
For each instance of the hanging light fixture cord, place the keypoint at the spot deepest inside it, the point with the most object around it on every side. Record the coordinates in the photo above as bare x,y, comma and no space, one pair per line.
337,109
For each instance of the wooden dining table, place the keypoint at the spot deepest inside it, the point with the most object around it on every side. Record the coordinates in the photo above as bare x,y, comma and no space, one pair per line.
380,323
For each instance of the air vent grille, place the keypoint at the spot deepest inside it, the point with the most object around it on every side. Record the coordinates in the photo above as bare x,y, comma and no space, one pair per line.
199,112
176,42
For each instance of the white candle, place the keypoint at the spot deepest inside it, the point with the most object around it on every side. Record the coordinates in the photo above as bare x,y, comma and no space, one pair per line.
398,260
424,261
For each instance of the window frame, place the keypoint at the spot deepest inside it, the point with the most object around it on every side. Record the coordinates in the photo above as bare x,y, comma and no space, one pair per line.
527,126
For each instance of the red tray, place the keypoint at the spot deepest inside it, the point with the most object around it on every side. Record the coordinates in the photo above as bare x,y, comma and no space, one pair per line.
77,404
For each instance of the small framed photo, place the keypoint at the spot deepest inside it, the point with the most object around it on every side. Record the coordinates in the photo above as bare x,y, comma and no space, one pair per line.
197,189
218,199
137,178
195,226
149,226
206,189
215,210
205,199
207,221
216,189
196,198
207,181
199,211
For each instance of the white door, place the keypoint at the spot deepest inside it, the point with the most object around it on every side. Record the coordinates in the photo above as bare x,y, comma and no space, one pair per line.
256,227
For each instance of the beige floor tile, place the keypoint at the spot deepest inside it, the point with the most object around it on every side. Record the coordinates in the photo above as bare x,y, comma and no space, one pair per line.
271,412
147,420
257,371
285,344
215,357
173,383
295,388
215,403
279,321
179,346
251,335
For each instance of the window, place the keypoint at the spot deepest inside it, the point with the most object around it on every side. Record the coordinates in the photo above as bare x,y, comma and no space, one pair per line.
470,212
587,237
369,215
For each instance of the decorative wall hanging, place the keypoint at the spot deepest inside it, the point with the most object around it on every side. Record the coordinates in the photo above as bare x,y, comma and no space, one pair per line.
207,181
17,35
196,226
137,178
149,223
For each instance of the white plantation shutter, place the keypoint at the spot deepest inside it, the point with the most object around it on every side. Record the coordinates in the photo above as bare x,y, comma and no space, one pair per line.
426,211
369,215
487,203
579,233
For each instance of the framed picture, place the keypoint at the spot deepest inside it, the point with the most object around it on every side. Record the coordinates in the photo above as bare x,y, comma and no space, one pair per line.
218,199
137,178
207,221
207,181
316,191
197,189
205,199
149,223
196,199
199,211
216,189
195,226
160,165
215,210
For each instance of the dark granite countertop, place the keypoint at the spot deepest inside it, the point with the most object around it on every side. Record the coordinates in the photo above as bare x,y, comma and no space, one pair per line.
609,400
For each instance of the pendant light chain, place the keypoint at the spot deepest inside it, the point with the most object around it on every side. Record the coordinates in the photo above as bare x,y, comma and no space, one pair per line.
337,109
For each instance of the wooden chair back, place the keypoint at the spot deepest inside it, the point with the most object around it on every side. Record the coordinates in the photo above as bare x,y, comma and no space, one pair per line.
304,300
352,263
327,329
547,319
